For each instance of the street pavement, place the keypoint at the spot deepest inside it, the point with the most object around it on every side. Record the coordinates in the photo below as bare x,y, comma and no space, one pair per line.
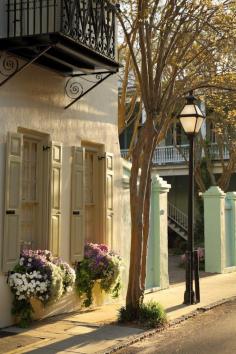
96,330
212,332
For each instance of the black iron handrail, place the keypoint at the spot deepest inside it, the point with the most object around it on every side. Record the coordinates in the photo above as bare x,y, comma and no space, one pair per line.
89,22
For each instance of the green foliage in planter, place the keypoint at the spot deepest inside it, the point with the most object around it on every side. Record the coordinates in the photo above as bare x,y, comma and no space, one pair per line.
99,264
150,315
23,311
84,281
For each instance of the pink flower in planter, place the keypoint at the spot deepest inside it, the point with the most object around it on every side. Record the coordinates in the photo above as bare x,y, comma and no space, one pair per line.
103,248
201,253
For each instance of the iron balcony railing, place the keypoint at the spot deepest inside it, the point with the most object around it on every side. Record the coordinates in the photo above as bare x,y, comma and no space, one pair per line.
164,155
89,22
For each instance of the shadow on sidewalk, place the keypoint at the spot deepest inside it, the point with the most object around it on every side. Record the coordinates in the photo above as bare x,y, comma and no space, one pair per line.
174,308
95,341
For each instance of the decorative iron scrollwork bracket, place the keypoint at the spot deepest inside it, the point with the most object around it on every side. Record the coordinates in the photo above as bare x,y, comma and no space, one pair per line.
79,85
10,65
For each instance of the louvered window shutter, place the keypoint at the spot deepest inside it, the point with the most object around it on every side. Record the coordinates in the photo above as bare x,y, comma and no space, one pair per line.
77,204
109,208
55,198
11,240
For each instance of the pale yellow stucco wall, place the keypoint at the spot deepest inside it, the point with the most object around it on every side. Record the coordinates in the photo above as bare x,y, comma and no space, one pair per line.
35,99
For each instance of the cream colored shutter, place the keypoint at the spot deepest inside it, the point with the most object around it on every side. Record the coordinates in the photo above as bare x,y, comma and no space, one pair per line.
55,198
77,204
11,241
109,209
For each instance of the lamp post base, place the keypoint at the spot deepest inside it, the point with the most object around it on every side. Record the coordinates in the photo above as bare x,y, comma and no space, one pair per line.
189,295
189,298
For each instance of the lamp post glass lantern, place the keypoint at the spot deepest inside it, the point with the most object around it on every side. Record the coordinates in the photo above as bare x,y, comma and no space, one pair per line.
191,119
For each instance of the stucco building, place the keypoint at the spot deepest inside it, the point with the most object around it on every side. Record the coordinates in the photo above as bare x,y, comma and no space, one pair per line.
60,166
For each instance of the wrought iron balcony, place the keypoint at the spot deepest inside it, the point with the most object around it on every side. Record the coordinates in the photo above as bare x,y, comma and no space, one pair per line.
81,33
171,155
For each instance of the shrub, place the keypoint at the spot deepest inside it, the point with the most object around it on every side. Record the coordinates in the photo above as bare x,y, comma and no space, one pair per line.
150,315
101,264
127,314
40,276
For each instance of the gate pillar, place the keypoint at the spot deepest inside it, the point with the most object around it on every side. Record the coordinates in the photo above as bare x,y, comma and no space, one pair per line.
157,261
214,229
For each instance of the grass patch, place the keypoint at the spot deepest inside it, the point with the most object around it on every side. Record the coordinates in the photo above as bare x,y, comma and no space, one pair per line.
149,315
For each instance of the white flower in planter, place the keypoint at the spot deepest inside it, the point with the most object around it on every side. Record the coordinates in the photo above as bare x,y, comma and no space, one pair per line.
21,297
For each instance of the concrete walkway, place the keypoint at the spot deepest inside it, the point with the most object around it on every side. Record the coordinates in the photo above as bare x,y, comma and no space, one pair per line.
95,331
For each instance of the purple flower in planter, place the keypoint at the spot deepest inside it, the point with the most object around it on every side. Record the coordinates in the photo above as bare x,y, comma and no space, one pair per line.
99,259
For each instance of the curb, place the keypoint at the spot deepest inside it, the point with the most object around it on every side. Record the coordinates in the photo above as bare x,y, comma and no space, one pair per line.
149,333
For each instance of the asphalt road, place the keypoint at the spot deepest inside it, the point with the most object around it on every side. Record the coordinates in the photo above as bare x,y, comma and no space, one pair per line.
212,332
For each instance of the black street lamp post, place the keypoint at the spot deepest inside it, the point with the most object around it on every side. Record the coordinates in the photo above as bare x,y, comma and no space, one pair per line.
191,119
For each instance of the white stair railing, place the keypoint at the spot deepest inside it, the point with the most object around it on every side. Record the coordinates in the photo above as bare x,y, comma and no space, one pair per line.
177,216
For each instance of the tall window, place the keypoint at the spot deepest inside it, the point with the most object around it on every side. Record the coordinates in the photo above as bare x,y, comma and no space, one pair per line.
30,202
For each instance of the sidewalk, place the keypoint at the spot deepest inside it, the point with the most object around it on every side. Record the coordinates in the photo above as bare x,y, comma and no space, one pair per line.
95,331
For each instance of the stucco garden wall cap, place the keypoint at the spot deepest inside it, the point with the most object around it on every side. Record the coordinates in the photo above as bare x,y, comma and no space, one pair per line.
158,183
231,195
214,191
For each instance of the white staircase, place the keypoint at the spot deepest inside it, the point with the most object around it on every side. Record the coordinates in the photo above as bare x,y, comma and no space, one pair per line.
177,221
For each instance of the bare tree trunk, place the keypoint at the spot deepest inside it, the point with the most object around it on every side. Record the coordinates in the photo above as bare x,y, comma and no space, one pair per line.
199,180
140,200
135,242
